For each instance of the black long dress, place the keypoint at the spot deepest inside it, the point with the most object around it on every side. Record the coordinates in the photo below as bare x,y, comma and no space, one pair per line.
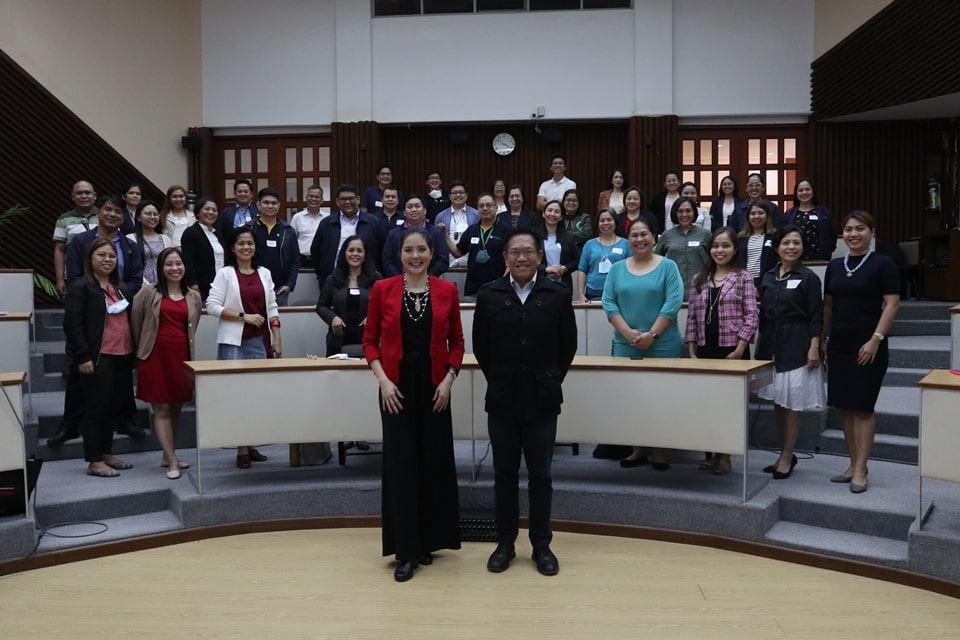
420,502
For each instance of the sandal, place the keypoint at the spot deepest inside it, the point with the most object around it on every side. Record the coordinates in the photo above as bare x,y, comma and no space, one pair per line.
722,468
103,473
118,464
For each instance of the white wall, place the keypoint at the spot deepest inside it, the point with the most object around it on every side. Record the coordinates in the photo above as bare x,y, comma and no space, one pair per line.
689,57
748,57
270,63
128,68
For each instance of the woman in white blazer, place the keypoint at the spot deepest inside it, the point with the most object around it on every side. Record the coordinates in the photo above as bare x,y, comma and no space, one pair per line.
242,296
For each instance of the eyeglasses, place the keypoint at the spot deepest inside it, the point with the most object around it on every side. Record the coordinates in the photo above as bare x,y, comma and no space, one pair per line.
105,256
570,200
526,253
488,205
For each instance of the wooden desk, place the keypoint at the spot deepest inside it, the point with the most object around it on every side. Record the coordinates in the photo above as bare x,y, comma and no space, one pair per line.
304,333
12,444
15,343
331,400
939,429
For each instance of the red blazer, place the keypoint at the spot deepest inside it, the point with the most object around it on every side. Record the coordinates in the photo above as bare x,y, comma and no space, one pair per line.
381,335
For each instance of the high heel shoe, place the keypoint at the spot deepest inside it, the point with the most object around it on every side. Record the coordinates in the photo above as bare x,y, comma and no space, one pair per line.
783,475
256,456
629,463
243,461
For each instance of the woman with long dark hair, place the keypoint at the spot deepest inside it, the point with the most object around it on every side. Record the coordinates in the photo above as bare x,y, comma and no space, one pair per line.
346,294
150,242
756,240
561,255
723,206
413,341
814,220
576,221
612,197
175,217
722,315
164,321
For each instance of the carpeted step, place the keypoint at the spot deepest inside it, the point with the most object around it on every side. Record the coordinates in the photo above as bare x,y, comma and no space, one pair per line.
903,377
858,546
923,310
103,530
885,447
833,507
920,352
940,327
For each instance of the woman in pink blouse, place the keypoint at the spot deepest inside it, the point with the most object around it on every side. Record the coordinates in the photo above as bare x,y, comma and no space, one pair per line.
722,314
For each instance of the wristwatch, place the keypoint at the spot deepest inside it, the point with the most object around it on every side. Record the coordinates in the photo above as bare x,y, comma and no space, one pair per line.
879,336
240,316
653,335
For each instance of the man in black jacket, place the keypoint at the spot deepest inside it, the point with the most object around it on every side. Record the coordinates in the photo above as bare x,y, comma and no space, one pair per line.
524,338
277,247
338,226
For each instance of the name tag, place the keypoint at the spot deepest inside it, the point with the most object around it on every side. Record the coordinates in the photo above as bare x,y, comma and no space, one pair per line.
768,243
354,292
693,243
474,240
793,284
378,203
399,222
617,250
814,217
272,243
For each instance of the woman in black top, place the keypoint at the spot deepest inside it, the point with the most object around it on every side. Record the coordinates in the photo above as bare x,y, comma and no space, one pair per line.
516,215
561,254
202,247
791,321
862,296
814,221
345,294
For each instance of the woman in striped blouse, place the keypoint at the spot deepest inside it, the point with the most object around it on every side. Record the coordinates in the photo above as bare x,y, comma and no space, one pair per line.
756,246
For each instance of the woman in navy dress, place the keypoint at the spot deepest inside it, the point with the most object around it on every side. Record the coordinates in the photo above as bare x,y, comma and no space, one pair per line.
861,299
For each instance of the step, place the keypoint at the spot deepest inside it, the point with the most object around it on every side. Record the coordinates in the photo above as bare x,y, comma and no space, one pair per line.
920,352
920,327
857,546
48,324
924,310
885,447
100,530
903,377
839,511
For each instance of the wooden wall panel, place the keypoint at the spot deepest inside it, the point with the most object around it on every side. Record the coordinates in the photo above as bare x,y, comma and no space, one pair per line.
592,150
907,52
355,154
46,148
881,167
654,150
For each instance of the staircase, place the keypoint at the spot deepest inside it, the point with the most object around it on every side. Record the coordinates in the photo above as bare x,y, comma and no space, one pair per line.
826,518
47,366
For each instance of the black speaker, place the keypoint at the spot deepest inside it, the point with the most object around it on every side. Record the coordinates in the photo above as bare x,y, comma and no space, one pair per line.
190,142
12,494
551,135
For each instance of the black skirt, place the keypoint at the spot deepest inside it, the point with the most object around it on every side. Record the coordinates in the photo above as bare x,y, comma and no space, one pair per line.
850,386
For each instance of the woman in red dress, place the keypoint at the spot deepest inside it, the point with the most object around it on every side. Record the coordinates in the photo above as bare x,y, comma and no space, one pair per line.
164,321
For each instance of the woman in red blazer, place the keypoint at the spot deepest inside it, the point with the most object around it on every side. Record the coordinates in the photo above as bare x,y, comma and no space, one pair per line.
413,341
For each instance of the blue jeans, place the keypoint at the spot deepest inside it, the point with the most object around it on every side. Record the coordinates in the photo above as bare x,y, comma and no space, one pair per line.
248,349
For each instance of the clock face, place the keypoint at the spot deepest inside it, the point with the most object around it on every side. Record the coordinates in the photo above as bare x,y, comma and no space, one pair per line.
504,144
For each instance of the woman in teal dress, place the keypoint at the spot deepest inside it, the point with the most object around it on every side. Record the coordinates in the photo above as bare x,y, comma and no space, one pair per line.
641,298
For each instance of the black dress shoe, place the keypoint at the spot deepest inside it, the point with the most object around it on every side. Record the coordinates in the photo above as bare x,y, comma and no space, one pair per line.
783,475
547,563
404,570
131,429
500,559
61,436
426,558
629,463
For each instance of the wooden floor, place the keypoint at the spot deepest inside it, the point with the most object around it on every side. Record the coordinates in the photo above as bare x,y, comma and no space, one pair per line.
333,584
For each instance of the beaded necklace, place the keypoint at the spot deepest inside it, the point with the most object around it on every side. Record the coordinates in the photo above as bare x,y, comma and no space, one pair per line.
419,301
846,264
